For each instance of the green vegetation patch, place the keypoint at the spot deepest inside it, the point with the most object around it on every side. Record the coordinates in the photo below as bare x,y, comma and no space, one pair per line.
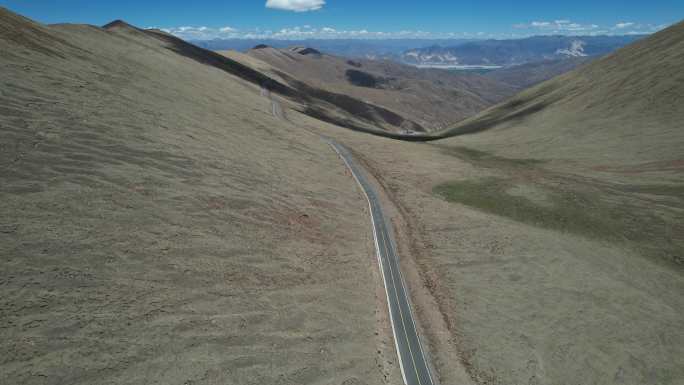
566,211
648,217
486,159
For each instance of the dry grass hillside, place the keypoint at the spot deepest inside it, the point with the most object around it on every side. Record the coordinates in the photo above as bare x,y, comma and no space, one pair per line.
157,225
529,74
433,99
551,238
609,137
555,228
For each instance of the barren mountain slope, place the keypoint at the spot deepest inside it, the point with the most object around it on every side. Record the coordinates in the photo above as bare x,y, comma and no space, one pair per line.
529,74
624,108
432,98
158,225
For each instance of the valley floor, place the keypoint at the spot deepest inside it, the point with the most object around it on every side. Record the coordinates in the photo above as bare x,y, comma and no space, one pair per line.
520,298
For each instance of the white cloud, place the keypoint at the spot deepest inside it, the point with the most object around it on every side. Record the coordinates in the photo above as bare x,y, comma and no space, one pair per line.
561,26
203,33
571,28
624,25
296,5
630,28
301,33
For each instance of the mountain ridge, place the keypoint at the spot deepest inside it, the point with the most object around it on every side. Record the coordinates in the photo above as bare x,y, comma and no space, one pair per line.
430,98
506,53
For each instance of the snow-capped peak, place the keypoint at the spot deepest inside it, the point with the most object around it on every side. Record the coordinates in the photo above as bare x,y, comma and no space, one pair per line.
576,49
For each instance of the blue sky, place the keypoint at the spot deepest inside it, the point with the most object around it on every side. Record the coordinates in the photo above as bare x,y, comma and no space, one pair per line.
365,18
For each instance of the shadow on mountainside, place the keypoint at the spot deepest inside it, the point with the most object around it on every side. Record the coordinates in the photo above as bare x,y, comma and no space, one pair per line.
315,100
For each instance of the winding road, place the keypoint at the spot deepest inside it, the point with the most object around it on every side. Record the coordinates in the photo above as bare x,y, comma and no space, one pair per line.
412,360
414,367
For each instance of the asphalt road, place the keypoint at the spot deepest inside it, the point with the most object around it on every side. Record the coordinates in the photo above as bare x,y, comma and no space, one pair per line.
414,367
276,109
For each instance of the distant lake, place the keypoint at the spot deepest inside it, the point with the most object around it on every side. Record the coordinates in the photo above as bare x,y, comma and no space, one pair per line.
460,67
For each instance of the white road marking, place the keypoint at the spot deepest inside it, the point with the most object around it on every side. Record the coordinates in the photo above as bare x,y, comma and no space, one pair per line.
387,248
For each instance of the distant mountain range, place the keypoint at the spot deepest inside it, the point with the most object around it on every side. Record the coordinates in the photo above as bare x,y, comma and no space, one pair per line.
446,53
505,53
374,49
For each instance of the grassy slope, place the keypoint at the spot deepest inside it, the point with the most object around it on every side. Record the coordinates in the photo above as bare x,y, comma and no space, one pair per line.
552,237
613,124
596,156
541,275
625,107
152,229
530,74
